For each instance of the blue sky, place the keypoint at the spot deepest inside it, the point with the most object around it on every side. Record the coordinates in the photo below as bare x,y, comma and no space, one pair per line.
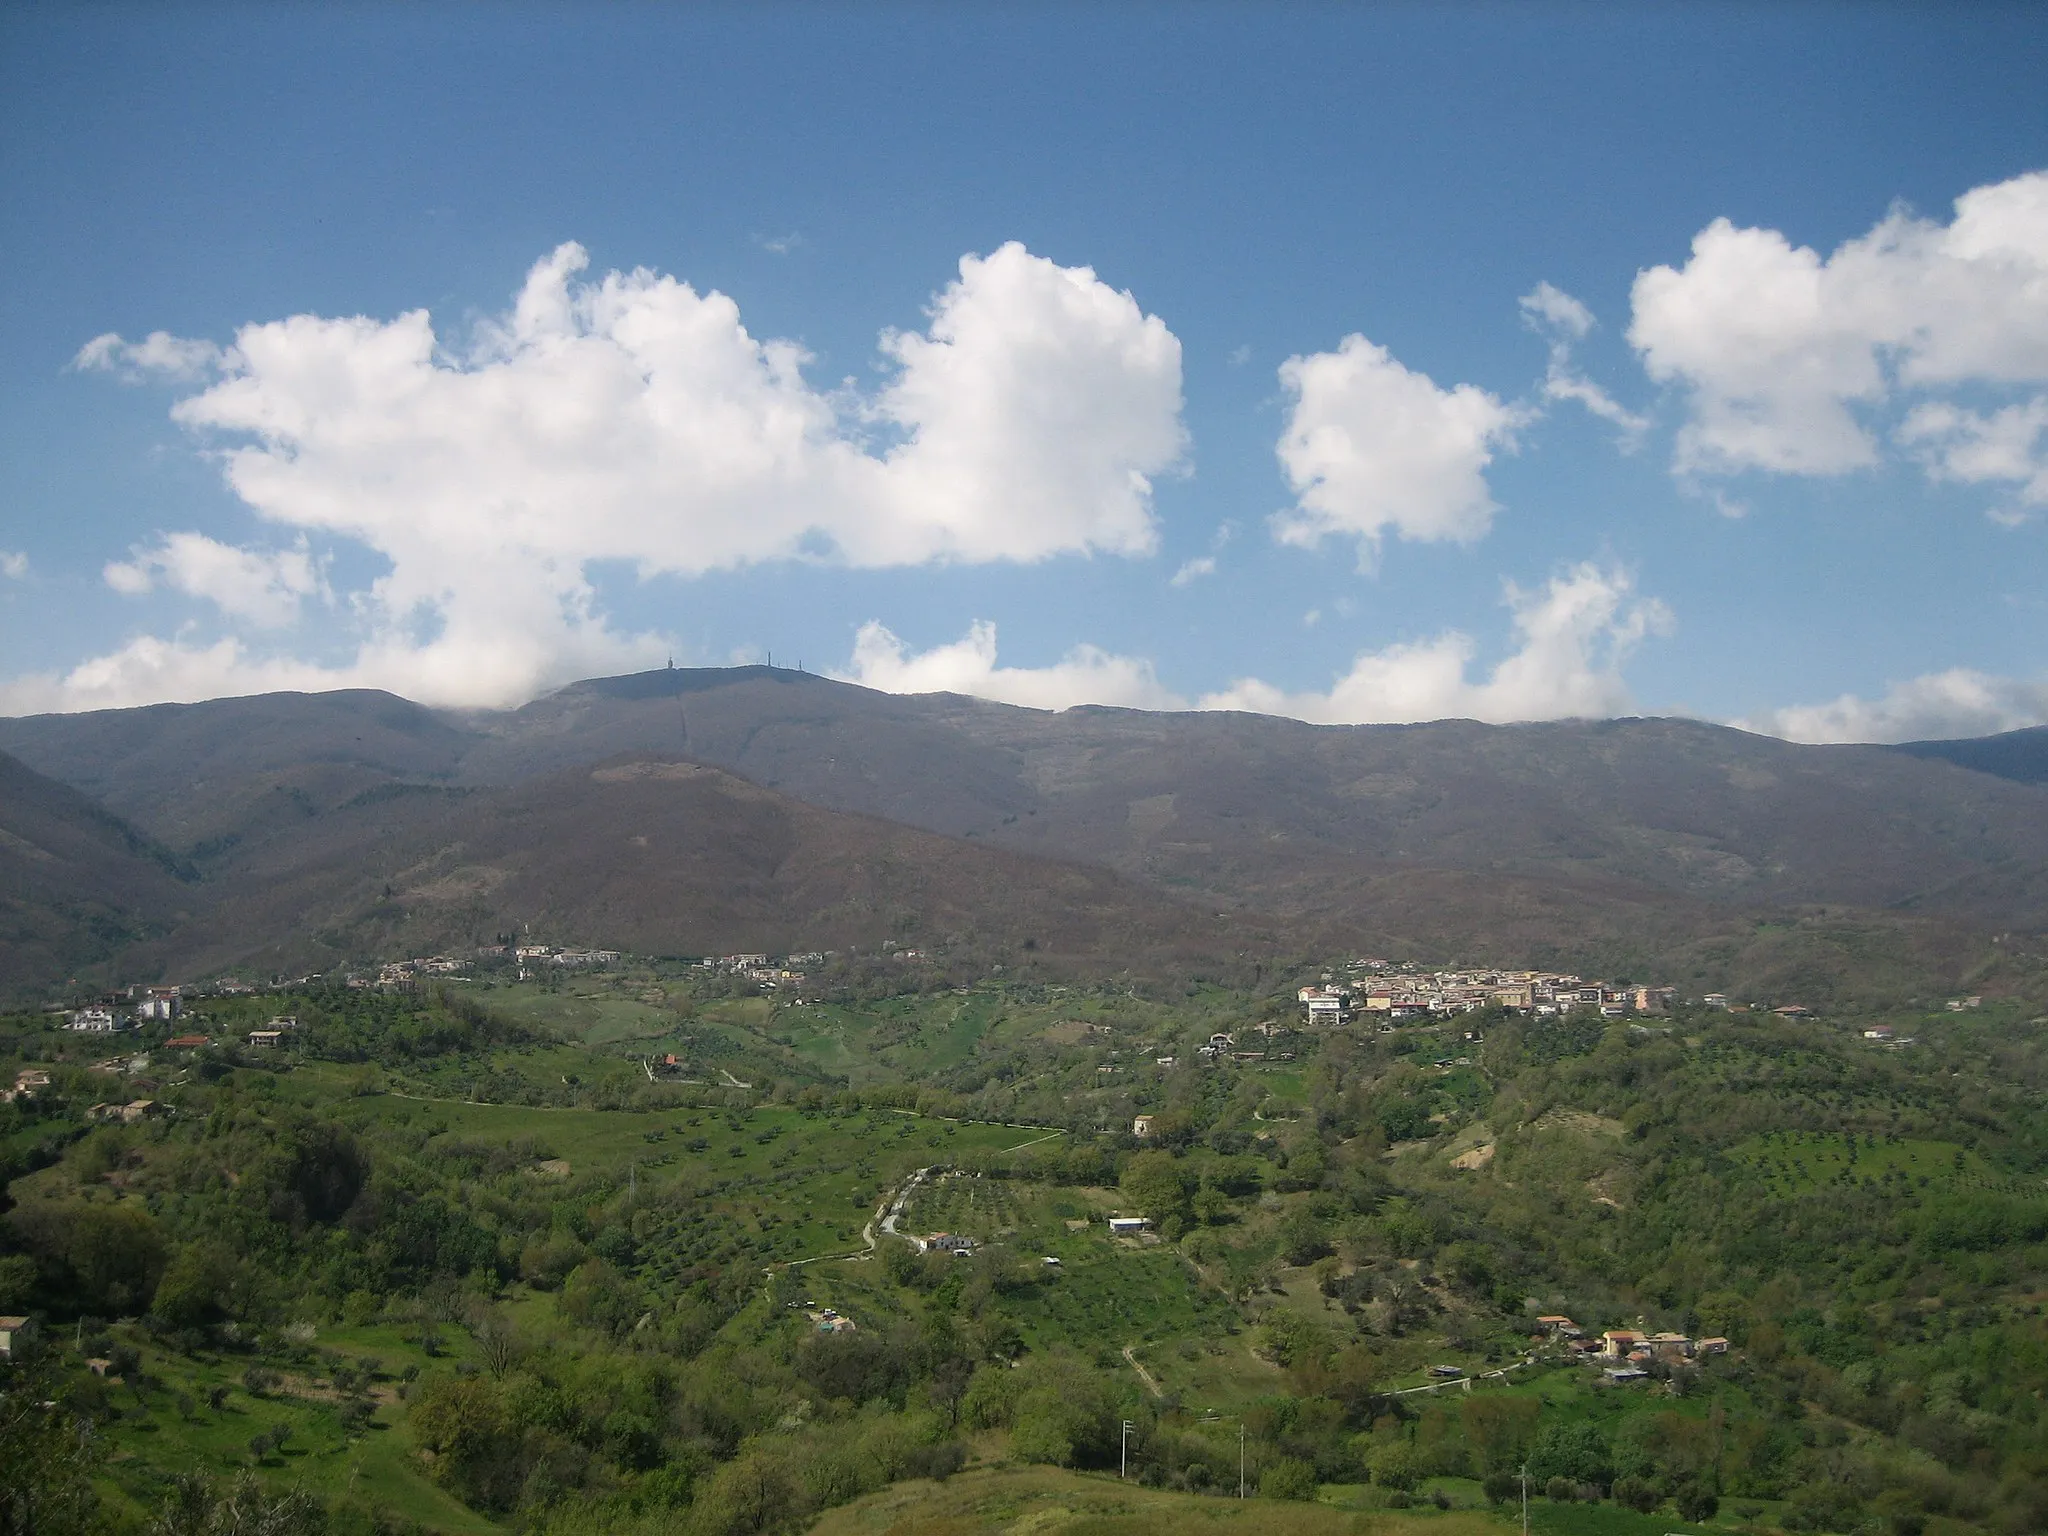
1126,453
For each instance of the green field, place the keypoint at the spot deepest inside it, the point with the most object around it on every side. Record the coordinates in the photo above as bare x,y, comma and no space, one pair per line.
1032,1500
489,1267
772,1184
1794,1163
1104,1299
171,1426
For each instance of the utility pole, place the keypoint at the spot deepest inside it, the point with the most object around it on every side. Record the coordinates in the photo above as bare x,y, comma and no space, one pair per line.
1123,1459
1240,1462
1525,1499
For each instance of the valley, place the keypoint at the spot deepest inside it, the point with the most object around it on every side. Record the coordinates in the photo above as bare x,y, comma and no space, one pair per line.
737,1102
487,1258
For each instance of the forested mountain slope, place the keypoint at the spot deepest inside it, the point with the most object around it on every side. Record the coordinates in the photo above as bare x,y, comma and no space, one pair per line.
1645,846
666,858
77,884
2018,755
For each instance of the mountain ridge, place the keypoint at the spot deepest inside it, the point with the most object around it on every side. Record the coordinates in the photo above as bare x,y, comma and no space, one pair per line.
1671,841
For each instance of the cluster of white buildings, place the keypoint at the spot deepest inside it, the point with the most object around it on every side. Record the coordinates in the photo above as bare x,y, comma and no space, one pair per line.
1402,994
1626,1353
573,959
405,973
765,972
146,1005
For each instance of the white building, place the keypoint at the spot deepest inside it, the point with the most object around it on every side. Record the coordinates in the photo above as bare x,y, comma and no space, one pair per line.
160,1004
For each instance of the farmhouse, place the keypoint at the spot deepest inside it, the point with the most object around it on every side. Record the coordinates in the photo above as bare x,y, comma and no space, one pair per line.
1128,1226
14,1332
126,1114
269,1038
1142,1126
946,1242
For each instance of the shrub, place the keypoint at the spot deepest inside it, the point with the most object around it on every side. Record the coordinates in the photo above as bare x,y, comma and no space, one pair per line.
1560,1490
1697,1505
1575,1452
1637,1493
1499,1487
1393,1466
937,1462
1041,1437
1288,1478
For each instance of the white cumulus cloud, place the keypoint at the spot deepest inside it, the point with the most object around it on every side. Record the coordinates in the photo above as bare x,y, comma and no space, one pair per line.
260,587
159,354
13,564
1564,322
2003,447
1785,354
1372,446
1085,675
632,418
1940,705
1572,637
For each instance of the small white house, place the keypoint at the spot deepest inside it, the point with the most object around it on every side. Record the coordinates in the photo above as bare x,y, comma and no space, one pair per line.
1128,1226
93,1021
1142,1126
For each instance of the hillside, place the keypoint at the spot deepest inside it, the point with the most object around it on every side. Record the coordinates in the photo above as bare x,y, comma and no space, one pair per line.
1633,846
661,857
454,1259
2018,755
1052,1501
1246,804
77,885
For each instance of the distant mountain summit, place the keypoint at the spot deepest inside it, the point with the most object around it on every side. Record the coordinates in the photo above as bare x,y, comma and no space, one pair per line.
1621,845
